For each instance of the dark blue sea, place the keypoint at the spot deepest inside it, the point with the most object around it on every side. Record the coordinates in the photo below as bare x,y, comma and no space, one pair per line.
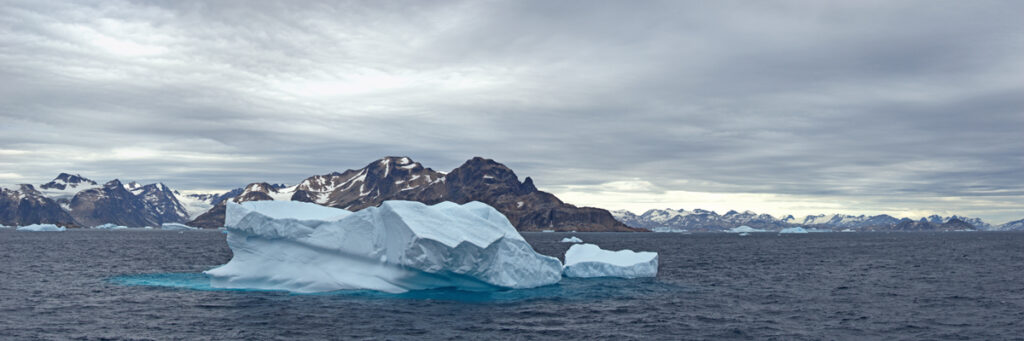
142,285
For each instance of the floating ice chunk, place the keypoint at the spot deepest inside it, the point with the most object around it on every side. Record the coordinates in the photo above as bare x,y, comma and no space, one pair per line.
589,260
176,227
744,229
109,226
42,228
793,230
399,246
572,239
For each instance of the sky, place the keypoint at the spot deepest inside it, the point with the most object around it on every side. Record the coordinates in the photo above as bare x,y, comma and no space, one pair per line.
906,108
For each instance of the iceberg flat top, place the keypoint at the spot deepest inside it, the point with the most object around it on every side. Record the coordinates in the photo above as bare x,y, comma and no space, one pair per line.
176,226
745,229
41,228
290,210
793,230
109,226
580,253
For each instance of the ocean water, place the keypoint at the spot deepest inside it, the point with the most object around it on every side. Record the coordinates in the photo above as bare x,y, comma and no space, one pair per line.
140,284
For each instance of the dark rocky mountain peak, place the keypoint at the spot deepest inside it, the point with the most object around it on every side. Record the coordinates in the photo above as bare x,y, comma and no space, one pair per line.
27,206
256,191
64,181
480,177
401,178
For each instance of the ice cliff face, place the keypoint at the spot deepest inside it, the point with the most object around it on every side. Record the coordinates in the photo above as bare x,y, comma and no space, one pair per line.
396,247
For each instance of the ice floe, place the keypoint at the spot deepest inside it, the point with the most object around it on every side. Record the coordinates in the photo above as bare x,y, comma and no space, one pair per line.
589,260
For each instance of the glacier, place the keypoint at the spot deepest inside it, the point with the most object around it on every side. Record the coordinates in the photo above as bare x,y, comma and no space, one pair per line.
42,228
589,260
572,239
396,247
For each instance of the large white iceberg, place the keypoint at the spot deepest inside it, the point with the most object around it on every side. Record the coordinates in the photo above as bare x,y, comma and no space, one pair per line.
793,230
589,260
176,227
41,228
399,246
572,239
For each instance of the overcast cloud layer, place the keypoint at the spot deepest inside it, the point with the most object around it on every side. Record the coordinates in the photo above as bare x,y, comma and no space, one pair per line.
906,108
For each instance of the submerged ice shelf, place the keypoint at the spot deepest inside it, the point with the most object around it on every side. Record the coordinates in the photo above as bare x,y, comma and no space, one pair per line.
397,247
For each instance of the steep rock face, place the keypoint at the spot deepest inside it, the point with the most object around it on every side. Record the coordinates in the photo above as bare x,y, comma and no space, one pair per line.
114,204
27,206
400,178
528,209
161,202
390,178
212,219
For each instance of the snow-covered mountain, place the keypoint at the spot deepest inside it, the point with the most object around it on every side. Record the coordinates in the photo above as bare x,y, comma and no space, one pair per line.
1016,225
74,200
401,178
669,219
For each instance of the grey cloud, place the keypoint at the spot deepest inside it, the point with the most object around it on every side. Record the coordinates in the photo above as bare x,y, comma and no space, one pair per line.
870,103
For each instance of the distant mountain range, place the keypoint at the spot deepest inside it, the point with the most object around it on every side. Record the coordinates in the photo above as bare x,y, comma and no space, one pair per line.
73,200
703,220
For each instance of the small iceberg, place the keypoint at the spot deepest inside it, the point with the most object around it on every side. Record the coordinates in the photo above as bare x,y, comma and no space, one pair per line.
572,239
176,227
396,247
109,226
745,229
744,234
789,230
42,228
589,260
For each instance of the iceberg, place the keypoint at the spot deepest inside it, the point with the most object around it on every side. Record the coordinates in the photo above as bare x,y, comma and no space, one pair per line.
744,229
109,226
589,260
793,230
42,228
396,247
176,227
572,239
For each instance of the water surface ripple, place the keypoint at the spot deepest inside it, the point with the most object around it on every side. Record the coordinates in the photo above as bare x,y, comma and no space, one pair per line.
140,284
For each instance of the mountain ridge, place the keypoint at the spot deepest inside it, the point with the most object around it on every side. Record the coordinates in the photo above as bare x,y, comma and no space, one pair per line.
401,178
704,220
